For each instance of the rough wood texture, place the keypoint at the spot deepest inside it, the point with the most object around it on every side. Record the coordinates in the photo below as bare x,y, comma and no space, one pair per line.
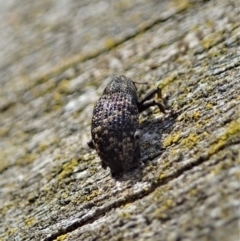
57,57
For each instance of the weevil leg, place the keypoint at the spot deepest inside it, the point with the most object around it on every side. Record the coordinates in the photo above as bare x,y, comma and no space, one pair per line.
147,101
151,94
90,144
103,164
137,151
145,105
137,137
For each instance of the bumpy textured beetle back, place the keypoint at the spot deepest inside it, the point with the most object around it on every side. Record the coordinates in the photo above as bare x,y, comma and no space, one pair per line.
121,84
115,134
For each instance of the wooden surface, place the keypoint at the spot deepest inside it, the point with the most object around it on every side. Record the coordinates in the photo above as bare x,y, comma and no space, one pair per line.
57,57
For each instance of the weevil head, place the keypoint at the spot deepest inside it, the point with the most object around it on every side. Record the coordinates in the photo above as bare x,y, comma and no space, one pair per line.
121,84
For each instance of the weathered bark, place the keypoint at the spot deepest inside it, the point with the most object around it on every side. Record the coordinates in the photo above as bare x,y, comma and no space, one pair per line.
55,62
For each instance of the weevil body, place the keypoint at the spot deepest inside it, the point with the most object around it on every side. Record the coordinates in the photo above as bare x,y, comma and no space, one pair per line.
115,127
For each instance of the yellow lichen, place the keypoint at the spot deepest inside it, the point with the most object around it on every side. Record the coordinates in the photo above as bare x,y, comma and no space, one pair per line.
181,5
209,106
196,115
92,195
42,146
11,232
192,192
110,42
168,80
166,165
65,195
4,131
29,221
190,141
232,129
61,238
161,176
25,160
169,203
223,165
170,139
211,39
63,86
68,168
125,215
57,96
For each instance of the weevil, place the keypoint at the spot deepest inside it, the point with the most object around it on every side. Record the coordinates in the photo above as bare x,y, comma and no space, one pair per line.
115,124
